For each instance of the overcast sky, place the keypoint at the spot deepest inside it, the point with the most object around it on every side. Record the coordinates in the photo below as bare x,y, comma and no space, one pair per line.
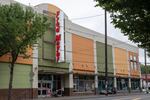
77,10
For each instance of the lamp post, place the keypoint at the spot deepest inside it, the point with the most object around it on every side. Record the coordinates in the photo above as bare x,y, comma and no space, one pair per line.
146,71
106,66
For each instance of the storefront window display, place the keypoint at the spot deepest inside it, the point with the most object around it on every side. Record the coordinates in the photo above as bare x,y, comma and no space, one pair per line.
135,84
122,84
83,84
101,84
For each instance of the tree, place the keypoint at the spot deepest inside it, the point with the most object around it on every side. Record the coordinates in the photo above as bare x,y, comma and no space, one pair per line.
145,70
19,29
132,17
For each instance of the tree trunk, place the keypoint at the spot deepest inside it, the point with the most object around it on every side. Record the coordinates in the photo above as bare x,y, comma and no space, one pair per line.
14,55
11,80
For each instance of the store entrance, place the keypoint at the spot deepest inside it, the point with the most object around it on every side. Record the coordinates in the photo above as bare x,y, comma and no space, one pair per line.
45,88
45,85
50,85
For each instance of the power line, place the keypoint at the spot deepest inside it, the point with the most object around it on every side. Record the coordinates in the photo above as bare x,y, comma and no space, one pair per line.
82,18
96,35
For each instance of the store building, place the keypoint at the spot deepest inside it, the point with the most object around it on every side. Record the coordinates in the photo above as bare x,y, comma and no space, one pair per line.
127,69
146,82
70,58
100,51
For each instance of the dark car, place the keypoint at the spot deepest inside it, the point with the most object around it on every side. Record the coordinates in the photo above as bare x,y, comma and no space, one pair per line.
110,91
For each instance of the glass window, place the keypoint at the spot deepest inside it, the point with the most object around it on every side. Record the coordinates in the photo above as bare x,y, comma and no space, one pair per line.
83,84
101,85
43,92
122,84
135,84
39,92
134,58
75,85
89,86
131,57
135,66
131,64
39,85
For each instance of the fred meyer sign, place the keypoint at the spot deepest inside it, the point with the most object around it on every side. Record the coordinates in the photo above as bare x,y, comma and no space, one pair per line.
59,28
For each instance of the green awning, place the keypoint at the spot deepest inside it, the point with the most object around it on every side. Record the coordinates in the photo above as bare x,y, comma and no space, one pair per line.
103,74
53,70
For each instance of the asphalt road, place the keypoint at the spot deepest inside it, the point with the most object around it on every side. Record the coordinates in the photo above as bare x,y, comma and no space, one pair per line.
131,97
115,97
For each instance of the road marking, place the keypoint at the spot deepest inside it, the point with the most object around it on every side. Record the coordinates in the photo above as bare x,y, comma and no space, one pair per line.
127,99
117,99
137,99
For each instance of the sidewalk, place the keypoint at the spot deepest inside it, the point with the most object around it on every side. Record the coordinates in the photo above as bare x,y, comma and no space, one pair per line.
85,97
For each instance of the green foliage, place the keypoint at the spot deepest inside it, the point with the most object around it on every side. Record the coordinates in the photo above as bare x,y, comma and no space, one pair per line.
145,70
132,17
19,28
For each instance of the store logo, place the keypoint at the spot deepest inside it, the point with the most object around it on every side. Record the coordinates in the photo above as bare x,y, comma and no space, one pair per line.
59,29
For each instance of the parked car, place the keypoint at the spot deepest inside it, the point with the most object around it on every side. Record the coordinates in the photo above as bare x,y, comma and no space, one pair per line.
110,91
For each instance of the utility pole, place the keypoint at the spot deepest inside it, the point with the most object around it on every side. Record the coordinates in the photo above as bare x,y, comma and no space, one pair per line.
146,71
106,66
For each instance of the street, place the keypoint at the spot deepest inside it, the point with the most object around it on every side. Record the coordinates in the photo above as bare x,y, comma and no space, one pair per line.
102,97
135,97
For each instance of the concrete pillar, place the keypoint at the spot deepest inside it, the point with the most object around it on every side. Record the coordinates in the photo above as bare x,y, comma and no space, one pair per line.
68,85
129,72
96,84
114,68
69,82
96,71
34,74
69,77
115,82
129,83
141,83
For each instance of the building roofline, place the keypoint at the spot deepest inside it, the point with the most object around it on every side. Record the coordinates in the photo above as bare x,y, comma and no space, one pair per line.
93,32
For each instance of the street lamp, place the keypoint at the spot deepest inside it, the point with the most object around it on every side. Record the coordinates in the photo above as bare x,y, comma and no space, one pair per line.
106,66
146,71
